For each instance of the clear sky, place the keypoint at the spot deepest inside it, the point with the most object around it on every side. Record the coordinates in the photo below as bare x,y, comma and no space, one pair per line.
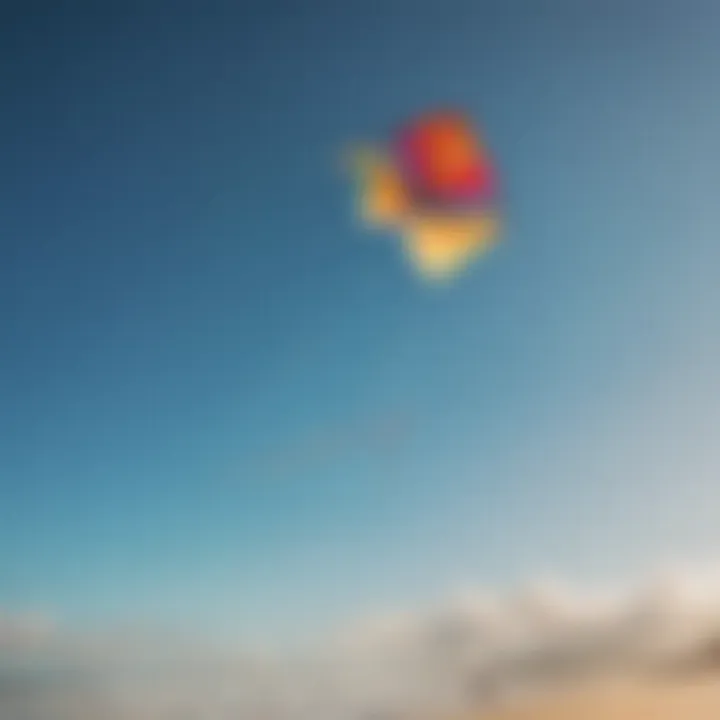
224,406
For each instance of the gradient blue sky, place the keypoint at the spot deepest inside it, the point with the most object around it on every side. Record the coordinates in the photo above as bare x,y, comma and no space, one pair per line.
199,346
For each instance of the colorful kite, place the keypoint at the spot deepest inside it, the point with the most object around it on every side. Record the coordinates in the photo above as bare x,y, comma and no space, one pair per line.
437,186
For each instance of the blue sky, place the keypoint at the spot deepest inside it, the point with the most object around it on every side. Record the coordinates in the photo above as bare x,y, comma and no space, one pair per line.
187,304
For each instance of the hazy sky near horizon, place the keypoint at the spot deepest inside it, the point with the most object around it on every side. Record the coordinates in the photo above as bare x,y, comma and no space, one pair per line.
225,407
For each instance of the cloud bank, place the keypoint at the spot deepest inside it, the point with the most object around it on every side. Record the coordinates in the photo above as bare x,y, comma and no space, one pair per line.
475,651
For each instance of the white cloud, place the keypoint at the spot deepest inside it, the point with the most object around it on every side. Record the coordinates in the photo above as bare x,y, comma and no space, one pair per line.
475,648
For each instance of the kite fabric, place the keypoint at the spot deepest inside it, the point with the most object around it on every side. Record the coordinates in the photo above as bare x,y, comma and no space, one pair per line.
436,187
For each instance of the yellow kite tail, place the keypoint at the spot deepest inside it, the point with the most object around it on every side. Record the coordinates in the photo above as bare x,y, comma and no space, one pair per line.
383,198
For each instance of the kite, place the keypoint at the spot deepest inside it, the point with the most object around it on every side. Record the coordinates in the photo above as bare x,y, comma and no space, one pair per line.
436,186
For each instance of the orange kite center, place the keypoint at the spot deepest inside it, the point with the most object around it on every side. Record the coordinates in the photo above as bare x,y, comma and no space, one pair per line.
454,160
